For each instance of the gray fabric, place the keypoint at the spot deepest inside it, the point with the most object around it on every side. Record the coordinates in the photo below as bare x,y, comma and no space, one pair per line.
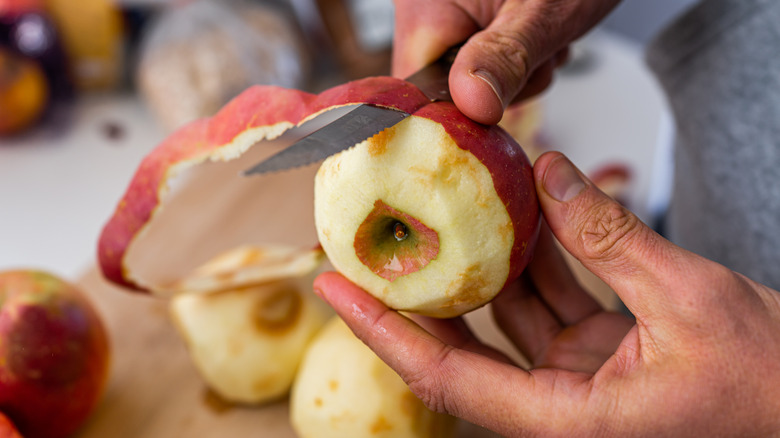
719,64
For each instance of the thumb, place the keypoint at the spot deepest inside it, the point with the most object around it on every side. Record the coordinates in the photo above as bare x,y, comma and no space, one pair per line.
608,239
514,57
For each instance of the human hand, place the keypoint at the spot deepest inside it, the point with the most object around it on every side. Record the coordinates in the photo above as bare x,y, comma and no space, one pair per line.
699,360
514,45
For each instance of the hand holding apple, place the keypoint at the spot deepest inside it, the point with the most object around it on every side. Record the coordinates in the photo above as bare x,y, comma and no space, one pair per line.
54,354
461,193
699,360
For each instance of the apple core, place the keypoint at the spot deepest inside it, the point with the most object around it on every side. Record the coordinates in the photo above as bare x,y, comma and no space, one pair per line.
278,312
393,244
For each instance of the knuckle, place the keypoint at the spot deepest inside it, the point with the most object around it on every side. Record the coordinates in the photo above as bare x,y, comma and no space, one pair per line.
429,383
512,51
606,229
513,45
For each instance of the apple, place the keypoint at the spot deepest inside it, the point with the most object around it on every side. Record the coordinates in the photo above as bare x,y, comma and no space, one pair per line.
54,354
433,215
344,390
247,341
188,202
7,428
23,92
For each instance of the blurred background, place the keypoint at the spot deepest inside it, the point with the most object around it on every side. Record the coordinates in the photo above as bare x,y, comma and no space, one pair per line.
640,20
89,87
186,58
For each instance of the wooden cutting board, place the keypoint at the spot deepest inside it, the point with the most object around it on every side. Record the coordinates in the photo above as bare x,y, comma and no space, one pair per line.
155,391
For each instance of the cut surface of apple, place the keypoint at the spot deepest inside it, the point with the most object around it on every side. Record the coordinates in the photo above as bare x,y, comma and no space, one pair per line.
344,390
433,215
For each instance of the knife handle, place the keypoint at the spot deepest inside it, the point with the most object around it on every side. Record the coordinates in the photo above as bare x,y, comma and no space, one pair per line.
433,79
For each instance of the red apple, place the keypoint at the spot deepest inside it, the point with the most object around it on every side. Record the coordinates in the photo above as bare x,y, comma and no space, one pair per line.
198,167
54,354
7,428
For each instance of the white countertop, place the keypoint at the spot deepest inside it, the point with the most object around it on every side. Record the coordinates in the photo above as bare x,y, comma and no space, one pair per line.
58,187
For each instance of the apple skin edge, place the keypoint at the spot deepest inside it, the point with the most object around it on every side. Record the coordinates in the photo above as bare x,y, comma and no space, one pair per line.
258,107
508,169
268,111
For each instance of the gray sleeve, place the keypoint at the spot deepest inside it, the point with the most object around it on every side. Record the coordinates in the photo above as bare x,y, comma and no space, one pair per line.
719,64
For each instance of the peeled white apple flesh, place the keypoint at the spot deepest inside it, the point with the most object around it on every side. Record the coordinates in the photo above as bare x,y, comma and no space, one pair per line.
415,219
247,341
344,390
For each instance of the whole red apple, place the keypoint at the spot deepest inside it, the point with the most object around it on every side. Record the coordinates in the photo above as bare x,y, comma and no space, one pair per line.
7,428
54,354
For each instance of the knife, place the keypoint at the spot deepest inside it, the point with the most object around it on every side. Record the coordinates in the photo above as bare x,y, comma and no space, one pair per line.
360,123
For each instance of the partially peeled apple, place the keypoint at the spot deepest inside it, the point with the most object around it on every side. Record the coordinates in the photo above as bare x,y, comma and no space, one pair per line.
434,215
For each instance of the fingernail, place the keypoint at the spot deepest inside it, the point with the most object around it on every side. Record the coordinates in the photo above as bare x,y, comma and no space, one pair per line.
562,181
319,293
488,78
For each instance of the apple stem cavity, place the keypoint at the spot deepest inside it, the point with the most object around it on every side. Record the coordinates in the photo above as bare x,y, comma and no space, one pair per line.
392,243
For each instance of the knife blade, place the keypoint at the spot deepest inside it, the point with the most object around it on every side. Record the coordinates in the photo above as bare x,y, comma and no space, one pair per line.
363,122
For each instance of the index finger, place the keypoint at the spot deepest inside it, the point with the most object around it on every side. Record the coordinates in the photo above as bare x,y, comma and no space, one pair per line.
471,386
425,30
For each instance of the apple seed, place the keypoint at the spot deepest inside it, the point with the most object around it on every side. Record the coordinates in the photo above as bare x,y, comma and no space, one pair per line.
400,231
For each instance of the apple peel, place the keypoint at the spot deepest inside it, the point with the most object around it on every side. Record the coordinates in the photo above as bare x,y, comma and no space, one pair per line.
188,202
257,123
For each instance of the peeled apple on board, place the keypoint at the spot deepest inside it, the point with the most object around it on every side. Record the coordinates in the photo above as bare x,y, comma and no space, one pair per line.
247,341
434,215
344,390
